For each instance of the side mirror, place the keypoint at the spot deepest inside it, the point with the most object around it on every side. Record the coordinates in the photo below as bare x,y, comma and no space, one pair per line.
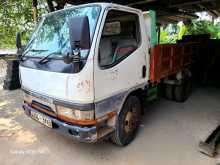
18,40
79,40
79,33
19,45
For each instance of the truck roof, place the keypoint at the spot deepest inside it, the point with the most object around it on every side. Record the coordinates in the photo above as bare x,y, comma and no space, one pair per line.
168,11
103,5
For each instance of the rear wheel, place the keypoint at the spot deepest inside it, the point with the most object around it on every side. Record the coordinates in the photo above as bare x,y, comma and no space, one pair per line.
128,122
169,91
183,91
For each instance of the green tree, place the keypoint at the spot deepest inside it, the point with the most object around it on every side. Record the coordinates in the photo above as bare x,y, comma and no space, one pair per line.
172,32
204,27
169,33
15,15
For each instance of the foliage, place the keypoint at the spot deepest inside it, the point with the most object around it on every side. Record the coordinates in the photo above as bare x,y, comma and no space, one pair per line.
15,15
169,34
204,27
172,32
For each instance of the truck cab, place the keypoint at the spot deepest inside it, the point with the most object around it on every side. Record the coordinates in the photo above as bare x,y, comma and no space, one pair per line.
100,94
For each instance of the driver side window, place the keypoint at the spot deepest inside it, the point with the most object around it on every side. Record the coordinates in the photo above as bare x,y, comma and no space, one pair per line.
120,38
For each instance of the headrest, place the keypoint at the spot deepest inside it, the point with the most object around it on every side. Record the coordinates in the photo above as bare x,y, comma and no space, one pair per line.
112,28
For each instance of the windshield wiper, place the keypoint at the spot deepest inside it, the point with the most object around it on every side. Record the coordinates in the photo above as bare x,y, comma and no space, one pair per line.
45,59
33,50
38,50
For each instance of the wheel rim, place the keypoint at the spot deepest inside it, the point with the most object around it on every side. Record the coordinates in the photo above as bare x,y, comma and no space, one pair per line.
130,122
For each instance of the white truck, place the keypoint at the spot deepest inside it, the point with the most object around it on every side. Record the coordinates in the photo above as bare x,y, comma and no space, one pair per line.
88,69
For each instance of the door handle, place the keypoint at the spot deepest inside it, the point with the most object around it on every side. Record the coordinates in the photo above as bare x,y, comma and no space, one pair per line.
144,69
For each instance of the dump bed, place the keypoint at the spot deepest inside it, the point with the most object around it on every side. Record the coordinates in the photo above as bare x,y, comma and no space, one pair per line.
168,59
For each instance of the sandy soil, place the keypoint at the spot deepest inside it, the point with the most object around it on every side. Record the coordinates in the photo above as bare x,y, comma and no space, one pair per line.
169,135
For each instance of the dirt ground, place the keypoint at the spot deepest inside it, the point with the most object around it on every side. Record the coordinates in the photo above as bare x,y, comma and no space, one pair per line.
169,135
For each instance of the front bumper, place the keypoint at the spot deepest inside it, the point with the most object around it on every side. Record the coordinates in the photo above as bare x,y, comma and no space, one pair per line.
83,134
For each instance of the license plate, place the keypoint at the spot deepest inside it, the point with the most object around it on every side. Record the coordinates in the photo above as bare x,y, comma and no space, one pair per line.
42,119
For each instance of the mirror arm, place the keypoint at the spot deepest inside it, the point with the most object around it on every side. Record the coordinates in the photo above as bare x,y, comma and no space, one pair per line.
76,57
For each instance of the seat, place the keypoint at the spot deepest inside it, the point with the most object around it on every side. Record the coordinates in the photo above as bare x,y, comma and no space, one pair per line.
124,48
105,49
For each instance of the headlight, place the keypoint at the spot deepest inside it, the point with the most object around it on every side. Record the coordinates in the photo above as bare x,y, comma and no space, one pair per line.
75,114
27,98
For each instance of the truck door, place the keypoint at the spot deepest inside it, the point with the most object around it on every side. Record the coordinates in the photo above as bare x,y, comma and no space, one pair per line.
121,54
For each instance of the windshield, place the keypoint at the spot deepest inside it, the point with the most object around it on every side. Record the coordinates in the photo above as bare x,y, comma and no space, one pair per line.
52,34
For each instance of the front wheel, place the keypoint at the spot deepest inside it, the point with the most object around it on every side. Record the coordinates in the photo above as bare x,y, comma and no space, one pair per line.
128,122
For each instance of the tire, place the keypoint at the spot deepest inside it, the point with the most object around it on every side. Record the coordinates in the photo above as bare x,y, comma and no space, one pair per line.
169,91
12,73
13,63
11,85
12,67
128,122
13,70
183,91
14,78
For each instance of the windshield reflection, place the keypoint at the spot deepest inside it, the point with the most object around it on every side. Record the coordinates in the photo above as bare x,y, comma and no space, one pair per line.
52,34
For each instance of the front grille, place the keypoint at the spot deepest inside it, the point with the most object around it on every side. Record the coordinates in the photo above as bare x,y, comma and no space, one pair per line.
42,106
